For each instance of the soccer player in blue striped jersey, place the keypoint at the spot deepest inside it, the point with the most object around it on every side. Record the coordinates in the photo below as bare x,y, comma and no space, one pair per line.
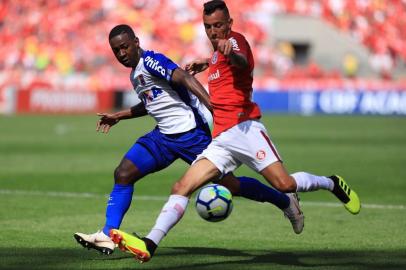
181,108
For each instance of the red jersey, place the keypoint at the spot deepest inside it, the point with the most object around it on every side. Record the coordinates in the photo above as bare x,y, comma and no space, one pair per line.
231,87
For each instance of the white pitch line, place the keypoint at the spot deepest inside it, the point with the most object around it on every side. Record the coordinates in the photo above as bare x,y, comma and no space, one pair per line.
72,194
364,205
164,198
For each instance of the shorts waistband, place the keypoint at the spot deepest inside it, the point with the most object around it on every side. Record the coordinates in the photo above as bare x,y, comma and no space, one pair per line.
177,135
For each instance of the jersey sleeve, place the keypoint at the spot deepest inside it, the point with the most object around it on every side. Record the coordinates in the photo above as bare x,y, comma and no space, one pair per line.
159,65
240,45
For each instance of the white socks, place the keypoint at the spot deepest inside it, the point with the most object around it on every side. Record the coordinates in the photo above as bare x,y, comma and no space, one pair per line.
309,182
171,213
176,205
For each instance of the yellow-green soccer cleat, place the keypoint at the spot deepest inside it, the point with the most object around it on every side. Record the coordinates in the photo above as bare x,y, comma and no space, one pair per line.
346,195
132,244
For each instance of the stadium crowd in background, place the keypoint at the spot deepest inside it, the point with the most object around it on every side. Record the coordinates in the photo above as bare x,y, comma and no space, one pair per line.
61,44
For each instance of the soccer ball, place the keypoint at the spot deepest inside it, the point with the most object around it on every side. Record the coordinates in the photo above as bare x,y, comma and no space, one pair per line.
214,203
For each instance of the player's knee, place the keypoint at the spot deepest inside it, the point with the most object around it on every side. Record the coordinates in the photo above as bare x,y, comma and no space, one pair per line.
123,177
285,185
182,188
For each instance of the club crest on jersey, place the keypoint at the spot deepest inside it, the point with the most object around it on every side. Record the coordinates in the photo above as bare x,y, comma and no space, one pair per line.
214,57
141,80
261,154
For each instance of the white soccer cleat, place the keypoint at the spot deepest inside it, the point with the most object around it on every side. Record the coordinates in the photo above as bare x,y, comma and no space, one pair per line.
98,241
294,214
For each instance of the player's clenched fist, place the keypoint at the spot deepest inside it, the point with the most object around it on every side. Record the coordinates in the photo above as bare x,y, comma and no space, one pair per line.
225,47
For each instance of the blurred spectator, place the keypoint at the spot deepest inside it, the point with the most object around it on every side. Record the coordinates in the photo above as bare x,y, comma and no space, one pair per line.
350,65
64,43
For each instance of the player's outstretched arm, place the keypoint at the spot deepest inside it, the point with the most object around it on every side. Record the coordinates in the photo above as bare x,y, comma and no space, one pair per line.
107,120
181,77
197,66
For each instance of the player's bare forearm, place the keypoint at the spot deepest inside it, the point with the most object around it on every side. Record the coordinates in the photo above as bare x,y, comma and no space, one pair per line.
133,112
199,91
107,120
238,60
181,77
197,66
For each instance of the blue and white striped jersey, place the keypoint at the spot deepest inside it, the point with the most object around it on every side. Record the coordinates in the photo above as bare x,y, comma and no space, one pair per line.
173,107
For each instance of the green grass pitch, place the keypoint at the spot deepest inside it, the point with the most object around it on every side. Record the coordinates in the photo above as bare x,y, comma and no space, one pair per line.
55,173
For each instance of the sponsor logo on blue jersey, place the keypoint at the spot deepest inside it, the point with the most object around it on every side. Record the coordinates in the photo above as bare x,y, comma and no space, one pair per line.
150,95
155,65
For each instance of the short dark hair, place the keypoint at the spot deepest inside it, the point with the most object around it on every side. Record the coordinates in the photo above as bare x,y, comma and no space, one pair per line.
212,6
122,29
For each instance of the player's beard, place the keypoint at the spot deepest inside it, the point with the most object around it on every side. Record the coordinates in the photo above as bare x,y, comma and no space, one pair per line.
214,43
214,46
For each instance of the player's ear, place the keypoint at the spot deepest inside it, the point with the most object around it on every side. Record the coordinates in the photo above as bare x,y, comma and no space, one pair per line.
137,41
230,23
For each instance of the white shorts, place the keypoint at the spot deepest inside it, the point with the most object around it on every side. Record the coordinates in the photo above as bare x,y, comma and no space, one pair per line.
246,143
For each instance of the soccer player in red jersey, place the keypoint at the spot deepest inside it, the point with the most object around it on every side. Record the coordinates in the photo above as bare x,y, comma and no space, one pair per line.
238,136
182,132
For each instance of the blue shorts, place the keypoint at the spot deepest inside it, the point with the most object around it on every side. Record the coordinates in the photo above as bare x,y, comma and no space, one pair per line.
155,151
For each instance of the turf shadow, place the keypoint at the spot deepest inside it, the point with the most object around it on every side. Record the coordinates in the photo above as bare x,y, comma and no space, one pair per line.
203,258
331,259
52,258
